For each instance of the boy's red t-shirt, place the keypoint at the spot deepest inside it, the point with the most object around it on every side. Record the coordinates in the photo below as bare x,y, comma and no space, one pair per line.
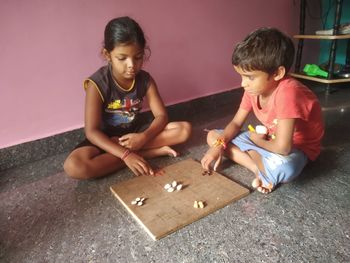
292,100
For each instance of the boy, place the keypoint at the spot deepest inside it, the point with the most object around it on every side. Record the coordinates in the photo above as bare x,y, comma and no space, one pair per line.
289,110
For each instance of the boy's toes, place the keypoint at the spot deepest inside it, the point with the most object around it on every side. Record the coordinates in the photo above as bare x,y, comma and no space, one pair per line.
256,183
263,190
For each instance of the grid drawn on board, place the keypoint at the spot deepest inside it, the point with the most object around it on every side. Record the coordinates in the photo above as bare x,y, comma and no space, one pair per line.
164,212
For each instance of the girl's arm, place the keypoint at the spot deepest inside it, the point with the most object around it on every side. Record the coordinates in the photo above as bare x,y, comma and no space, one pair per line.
158,110
283,142
93,115
93,120
135,141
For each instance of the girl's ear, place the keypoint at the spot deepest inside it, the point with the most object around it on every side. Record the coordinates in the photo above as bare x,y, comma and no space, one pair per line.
106,55
280,73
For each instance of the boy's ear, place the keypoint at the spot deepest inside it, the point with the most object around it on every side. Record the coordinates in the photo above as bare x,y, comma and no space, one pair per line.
280,73
106,54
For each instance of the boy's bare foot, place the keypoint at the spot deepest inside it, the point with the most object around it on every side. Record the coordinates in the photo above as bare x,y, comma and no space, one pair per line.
264,190
257,184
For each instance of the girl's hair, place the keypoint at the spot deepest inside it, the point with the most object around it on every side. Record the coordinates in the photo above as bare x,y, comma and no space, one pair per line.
123,30
265,49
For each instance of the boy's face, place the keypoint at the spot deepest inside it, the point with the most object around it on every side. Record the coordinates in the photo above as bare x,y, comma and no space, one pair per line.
256,82
126,61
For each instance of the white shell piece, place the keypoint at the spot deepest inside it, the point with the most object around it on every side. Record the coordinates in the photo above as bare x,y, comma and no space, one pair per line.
142,199
200,204
179,187
260,129
174,184
138,199
133,202
195,204
139,203
170,189
167,186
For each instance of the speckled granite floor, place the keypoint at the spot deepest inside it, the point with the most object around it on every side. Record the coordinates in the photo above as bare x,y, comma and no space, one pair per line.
47,217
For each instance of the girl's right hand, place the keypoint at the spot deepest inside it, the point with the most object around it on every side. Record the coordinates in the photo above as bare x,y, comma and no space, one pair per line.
138,165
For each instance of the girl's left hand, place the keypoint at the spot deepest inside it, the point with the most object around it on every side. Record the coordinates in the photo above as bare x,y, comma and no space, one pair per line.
132,141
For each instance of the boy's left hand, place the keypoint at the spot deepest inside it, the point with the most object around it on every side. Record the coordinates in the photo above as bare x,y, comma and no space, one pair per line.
213,155
132,141
254,137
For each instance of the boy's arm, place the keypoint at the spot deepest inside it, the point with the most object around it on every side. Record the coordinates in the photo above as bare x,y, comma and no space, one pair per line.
283,142
214,154
235,125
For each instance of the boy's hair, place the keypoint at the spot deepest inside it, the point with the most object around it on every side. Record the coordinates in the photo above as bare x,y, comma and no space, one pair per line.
123,30
265,50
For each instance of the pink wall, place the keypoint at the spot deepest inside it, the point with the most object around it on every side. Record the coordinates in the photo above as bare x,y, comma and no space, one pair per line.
47,47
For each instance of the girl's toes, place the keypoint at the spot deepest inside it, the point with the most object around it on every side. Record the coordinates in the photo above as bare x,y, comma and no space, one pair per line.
173,153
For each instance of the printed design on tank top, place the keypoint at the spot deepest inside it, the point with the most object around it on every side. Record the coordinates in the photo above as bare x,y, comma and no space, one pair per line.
119,112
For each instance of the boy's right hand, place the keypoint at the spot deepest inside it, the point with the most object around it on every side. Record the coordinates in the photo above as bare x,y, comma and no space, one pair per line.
214,154
138,165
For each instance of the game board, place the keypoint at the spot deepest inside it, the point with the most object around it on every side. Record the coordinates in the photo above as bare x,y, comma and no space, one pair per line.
162,212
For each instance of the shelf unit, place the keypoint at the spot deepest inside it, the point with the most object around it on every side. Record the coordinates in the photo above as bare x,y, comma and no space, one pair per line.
332,53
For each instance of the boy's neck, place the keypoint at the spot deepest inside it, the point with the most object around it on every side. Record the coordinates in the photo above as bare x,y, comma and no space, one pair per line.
270,91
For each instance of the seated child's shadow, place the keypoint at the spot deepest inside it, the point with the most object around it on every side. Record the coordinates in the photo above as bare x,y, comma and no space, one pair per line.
326,162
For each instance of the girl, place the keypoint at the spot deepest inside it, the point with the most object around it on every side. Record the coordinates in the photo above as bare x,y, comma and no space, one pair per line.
114,95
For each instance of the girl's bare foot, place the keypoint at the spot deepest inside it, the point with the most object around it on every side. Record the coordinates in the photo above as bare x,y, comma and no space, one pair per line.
166,150
161,151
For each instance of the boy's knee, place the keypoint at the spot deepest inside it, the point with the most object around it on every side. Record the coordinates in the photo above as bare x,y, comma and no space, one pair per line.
76,169
212,136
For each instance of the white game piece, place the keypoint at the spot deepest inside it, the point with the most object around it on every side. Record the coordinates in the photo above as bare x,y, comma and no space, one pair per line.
179,187
170,189
133,202
195,204
200,204
261,129
137,199
174,184
167,186
139,203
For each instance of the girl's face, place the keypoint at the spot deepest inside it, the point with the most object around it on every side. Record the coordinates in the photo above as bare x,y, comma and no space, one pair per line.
257,82
126,61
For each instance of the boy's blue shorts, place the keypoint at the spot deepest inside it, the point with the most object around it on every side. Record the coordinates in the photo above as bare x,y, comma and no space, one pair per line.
278,168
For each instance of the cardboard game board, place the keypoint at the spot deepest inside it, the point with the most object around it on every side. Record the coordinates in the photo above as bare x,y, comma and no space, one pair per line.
162,212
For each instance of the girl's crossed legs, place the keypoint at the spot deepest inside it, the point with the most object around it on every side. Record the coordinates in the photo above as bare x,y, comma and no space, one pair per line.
89,161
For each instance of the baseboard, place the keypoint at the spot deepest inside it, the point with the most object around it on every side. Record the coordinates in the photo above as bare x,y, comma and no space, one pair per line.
28,152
